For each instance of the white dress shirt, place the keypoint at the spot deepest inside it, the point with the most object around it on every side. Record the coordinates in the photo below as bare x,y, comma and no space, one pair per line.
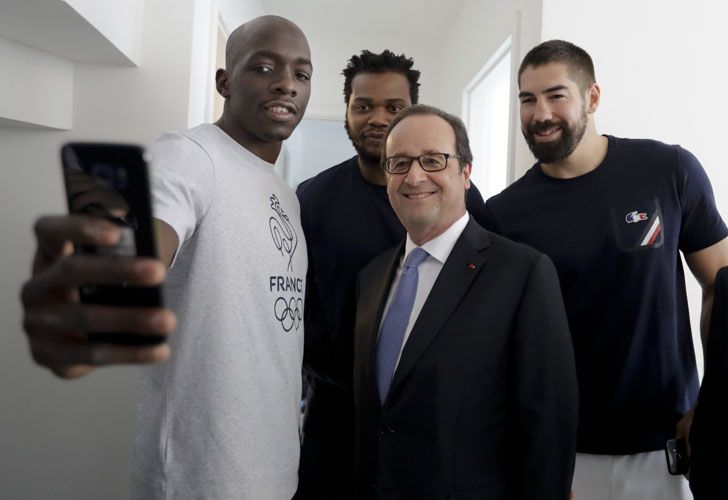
439,250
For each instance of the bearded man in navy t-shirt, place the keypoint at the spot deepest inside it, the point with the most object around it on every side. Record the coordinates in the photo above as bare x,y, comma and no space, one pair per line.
614,214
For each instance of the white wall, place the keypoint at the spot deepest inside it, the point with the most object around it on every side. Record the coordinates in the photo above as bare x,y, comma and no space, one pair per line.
36,87
331,48
314,146
205,21
662,69
72,440
480,27
39,40
236,12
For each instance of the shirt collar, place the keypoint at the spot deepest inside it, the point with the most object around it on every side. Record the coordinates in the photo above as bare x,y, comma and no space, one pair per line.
440,247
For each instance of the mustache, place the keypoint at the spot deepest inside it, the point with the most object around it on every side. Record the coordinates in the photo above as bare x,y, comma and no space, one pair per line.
537,127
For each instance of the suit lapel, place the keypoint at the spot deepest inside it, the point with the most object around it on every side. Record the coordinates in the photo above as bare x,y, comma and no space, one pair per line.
462,266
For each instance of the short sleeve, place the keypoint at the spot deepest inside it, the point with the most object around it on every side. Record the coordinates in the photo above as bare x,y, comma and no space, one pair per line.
182,183
701,223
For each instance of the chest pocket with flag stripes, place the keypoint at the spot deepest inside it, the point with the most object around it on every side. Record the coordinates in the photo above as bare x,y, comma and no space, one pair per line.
638,226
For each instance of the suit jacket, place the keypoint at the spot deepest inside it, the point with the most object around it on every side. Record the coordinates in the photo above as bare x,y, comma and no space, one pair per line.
709,434
483,403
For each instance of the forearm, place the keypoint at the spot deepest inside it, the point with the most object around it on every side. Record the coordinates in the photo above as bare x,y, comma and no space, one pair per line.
705,313
704,264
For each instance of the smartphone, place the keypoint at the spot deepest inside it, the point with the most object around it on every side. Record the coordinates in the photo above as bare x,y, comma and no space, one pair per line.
111,181
676,452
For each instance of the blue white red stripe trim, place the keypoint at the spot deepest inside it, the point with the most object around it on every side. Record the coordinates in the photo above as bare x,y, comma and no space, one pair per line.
652,234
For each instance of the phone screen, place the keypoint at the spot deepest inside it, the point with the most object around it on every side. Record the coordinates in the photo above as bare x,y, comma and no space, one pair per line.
111,181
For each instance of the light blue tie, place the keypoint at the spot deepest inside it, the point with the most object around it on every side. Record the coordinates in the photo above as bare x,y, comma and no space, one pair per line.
396,320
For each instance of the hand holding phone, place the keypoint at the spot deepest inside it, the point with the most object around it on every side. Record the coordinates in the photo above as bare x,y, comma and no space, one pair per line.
55,321
54,318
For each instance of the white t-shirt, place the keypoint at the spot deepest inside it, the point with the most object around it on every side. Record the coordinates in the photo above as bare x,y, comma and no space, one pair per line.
220,418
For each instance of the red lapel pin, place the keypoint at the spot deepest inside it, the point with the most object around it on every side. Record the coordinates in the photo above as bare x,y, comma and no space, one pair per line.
471,266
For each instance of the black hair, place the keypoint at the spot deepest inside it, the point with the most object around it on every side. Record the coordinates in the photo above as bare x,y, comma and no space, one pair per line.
387,61
462,143
577,61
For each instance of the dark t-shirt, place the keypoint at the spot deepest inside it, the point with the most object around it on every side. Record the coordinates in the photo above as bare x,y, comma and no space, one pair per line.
347,222
614,235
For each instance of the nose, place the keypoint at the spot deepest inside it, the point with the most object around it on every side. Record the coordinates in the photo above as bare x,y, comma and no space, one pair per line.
378,117
416,173
542,111
285,84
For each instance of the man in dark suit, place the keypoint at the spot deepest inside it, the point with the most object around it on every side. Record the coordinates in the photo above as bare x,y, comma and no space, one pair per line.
464,375
708,434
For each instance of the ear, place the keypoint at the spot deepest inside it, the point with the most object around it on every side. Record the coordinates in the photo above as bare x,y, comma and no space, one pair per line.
222,83
593,96
467,169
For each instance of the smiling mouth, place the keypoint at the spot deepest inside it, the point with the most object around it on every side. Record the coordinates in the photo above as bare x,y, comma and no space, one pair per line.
278,112
547,134
418,196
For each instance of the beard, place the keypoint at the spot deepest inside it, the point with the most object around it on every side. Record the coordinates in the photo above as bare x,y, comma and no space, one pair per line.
553,151
367,157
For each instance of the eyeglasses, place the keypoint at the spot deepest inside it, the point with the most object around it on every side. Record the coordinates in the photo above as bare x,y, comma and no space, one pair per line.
430,162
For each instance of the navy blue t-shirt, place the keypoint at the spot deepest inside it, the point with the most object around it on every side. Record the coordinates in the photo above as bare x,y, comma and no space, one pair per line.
614,235
347,221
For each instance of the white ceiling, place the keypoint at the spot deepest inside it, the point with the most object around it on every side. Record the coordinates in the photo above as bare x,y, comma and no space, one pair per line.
401,17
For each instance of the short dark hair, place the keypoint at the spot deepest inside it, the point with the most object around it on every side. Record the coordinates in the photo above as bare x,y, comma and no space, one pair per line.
386,62
462,143
577,61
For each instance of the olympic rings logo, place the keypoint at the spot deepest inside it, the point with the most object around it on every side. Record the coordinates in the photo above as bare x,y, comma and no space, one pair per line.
289,312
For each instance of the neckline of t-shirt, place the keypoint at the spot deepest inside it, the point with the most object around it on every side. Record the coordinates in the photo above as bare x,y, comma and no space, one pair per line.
247,155
376,187
594,173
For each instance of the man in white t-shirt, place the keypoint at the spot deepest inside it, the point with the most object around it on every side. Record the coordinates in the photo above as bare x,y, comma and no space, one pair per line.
219,419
